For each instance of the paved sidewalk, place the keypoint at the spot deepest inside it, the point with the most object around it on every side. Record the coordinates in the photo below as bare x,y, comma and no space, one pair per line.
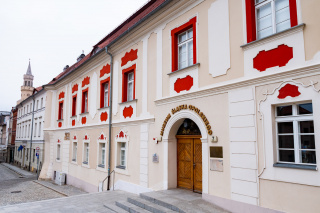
93,202
18,170
66,190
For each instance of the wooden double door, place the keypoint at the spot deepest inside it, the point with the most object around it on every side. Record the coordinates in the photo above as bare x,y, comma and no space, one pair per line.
189,168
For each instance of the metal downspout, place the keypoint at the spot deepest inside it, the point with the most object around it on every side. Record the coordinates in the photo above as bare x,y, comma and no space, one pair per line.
110,115
31,134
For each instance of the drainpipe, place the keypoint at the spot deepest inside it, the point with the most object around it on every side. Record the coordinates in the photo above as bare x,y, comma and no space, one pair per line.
31,133
110,115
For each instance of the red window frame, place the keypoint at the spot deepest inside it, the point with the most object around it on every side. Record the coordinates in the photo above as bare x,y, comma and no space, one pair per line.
83,100
74,105
102,83
125,73
60,113
251,18
174,39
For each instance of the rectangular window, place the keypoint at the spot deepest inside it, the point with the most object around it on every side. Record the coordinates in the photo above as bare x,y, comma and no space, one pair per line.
184,45
27,108
128,84
58,151
102,155
84,101
31,107
121,155
104,93
35,130
74,105
41,103
60,113
266,17
34,154
295,134
86,153
74,150
29,131
37,104
39,135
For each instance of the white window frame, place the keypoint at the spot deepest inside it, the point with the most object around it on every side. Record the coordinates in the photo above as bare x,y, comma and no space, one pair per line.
86,149
106,94
273,15
86,101
74,152
186,42
39,133
99,152
118,168
35,129
295,118
58,153
128,83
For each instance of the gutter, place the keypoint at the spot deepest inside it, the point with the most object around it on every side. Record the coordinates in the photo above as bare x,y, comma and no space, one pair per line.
110,115
32,120
115,40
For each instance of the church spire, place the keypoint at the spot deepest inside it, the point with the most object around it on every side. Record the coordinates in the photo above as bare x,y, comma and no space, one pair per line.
29,69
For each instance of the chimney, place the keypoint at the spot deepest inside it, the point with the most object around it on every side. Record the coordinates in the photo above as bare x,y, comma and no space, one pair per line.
80,57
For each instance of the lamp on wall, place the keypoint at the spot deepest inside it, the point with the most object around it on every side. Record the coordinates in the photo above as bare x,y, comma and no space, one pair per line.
214,139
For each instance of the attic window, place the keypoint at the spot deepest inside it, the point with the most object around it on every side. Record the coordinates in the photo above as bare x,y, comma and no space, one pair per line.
54,79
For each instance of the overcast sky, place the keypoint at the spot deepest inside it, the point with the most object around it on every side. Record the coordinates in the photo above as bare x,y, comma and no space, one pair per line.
52,33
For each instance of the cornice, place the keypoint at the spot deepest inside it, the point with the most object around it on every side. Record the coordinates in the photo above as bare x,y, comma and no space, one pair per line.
224,87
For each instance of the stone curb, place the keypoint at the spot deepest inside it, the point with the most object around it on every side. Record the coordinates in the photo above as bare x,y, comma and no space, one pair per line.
51,188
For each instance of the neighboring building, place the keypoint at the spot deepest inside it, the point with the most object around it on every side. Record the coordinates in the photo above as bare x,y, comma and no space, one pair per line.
4,130
12,135
29,129
215,96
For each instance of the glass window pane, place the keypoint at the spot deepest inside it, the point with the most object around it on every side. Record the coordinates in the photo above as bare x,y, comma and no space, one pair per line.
305,109
182,56
190,33
130,91
264,22
264,11
264,33
130,76
280,4
258,1
283,25
286,155
190,52
307,142
182,37
286,141
282,15
306,127
284,110
308,157
285,127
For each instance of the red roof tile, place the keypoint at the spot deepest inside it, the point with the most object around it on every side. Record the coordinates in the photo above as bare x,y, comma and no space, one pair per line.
122,28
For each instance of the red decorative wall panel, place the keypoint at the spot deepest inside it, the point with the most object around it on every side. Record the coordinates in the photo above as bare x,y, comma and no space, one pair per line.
105,70
86,81
60,124
183,84
279,56
129,56
75,88
289,90
61,95
121,134
104,116
127,112
73,122
83,120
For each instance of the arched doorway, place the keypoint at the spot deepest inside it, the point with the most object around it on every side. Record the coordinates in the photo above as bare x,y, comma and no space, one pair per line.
189,156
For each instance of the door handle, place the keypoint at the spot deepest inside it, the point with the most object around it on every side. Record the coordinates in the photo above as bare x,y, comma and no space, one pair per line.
194,165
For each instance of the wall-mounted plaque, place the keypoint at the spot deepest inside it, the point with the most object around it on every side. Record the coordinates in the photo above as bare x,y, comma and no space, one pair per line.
216,152
216,165
67,136
155,158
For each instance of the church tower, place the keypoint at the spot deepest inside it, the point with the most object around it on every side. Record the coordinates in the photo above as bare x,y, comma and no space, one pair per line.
27,86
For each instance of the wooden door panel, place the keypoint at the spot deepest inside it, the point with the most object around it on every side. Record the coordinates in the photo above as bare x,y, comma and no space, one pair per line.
197,182
185,163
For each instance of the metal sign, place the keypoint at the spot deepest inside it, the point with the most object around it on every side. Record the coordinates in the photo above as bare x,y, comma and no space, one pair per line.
155,158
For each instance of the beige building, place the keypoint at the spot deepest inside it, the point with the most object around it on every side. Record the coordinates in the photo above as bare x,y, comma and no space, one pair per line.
215,96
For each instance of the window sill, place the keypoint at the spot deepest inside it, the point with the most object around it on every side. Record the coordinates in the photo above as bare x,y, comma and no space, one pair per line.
74,161
269,38
295,166
103,108
122,171
84,113
73,116
186,68
121,167
101,166
59,120
126,102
